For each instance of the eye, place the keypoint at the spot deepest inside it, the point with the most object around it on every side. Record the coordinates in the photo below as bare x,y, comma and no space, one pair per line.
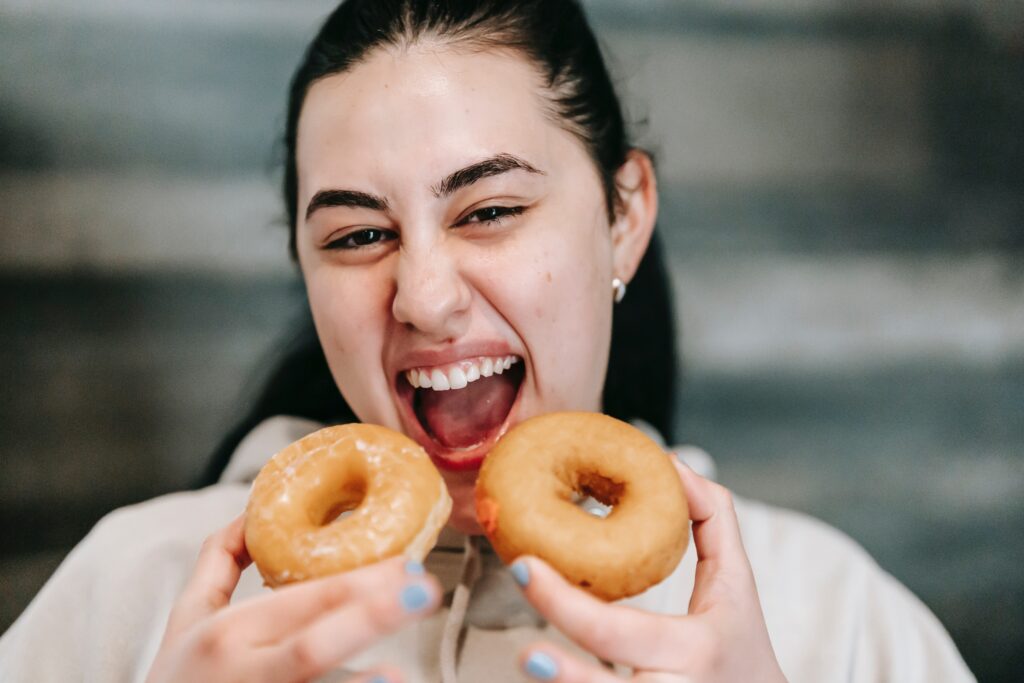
359,239
491,215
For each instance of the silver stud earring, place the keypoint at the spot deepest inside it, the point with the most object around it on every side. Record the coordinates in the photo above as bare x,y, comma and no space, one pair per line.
619,287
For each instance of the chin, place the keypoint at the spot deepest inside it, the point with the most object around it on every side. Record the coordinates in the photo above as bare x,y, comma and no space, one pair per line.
461,486
464,520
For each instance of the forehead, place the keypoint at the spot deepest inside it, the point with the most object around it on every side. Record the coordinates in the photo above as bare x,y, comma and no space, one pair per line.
421,112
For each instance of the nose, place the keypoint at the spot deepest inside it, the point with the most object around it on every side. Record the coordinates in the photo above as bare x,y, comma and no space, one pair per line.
430,294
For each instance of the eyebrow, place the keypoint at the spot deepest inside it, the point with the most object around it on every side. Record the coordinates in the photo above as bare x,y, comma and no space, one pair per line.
496,165
492,166
328,198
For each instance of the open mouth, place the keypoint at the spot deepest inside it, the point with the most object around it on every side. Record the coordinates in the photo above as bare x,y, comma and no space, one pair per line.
460,409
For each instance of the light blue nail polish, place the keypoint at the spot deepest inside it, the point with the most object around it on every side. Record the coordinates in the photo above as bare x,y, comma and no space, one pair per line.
415,569
379,679
521,573
541,666
414,597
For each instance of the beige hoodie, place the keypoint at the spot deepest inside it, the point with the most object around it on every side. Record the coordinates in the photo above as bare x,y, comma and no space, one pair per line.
832,613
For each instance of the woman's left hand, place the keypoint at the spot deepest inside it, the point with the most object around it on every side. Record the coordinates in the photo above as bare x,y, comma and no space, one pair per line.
723,638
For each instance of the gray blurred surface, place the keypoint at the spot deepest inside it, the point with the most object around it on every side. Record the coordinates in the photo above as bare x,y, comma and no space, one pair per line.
843,201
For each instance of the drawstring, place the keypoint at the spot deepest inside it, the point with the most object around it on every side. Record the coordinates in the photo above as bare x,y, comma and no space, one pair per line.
454,623
471,568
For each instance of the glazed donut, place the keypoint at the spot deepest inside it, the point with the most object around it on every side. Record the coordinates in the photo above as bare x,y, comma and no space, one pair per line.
530,485
396,500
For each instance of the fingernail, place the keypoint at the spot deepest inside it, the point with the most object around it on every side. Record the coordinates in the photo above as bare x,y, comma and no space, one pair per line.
414,597
380,679
520,572
541,666
414,568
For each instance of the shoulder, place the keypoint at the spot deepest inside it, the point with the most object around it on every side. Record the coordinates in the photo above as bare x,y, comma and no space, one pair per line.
776,539
165,526
150,548
158,535
831,608
806,570
101,615
170,518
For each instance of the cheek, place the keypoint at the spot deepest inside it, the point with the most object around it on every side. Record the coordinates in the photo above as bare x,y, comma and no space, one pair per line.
341,317
349,310
556,295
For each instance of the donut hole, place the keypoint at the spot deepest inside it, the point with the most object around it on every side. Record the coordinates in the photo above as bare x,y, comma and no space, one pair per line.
591,506
339,506
596,494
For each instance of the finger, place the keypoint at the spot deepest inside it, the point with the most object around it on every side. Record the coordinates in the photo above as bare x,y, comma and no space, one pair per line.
271,616
716,531
615,633
220,563
547,662
723,572
379,674
351,628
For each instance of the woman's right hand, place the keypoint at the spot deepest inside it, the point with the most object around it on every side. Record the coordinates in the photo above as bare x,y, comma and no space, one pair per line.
295,633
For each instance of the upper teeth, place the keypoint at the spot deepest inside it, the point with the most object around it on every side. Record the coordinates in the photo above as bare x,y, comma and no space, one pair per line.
458,375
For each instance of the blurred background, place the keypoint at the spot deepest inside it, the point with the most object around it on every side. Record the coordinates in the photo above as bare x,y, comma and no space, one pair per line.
843,199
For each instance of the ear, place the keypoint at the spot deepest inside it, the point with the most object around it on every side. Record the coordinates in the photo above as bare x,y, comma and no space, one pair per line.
635,215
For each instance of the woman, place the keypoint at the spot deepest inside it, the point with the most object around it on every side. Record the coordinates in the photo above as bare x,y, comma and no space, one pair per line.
462,193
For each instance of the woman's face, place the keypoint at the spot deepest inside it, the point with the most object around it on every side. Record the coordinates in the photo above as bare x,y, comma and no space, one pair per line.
448,227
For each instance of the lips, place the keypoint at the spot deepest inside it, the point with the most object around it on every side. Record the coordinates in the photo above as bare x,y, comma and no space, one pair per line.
463,408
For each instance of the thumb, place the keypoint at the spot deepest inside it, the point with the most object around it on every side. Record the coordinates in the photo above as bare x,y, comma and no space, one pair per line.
221,560
613,632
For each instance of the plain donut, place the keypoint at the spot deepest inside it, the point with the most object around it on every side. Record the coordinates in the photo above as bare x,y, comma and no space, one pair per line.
530,484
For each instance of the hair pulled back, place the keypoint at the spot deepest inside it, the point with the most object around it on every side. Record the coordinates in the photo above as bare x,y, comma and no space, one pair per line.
554,36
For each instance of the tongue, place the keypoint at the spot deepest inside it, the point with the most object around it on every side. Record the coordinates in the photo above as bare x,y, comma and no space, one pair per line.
461,418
